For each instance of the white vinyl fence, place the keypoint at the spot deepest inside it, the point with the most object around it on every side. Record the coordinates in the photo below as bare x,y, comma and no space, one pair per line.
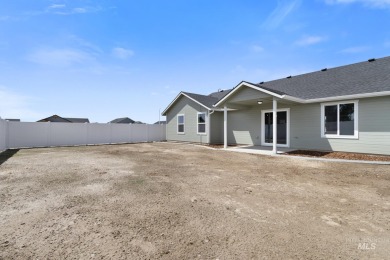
3,136
26,134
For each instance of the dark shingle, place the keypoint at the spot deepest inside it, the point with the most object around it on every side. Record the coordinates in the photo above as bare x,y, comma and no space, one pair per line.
122,120
209,100
77,120
358,78
220,94
204,100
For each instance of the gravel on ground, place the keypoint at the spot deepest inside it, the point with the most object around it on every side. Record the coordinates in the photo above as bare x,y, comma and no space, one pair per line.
180,201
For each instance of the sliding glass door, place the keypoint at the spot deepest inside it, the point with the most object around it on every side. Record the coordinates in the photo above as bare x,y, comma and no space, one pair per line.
282,130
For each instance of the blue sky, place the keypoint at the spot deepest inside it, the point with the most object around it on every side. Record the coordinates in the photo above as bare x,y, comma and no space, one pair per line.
105,59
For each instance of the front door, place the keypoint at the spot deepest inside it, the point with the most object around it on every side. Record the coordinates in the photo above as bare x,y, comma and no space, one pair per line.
283,127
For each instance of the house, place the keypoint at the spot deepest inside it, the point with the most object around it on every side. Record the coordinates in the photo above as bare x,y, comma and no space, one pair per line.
191,117
345,108
12,120
122,120
59,119
160,123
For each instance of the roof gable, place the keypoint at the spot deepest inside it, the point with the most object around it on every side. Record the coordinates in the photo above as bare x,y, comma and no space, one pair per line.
203,100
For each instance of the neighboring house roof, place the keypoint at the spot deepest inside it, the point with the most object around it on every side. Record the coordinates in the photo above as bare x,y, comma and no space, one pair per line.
363,79
12,120
77,120
203,100
59,119
123,120
161,123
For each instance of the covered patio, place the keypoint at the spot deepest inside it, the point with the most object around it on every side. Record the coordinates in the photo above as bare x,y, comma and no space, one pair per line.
258,149
259,128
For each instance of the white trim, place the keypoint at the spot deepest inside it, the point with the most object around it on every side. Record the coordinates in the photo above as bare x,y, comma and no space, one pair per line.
177,97
275,126
225,110
301,100
205,123
263,127
247,84
184,124
356,120
341,98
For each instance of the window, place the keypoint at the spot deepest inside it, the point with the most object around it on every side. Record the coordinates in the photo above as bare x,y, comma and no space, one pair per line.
201,123
340,120
180,124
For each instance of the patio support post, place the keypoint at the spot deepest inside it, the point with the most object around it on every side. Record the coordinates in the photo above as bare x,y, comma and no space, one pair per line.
275,125
225,127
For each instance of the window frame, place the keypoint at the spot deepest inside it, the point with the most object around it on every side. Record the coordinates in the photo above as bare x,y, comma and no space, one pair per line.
184,123
263,112
205,123
355,117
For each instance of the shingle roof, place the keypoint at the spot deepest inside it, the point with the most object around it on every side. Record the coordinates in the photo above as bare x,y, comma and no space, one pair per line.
122,120
58,119
77,120
358,78
204,100
220,94
208,100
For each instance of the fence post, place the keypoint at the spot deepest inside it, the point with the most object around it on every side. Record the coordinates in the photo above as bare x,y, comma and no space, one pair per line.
7,146
110,133
147,133
130,133
86,133
48,130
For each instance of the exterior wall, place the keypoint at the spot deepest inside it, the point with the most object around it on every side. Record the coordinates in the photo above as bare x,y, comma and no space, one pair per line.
216,128
244,127
189,109
374,128
247,94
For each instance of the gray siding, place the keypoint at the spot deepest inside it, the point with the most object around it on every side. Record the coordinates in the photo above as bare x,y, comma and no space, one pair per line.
374,128
247,94
190,109
216,128
244,127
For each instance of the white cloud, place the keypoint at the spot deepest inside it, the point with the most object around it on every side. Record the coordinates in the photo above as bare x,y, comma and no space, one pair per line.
57,6
356,49
61,9
257,48
369,3
309,40
122,53
60,57
280,13
14,105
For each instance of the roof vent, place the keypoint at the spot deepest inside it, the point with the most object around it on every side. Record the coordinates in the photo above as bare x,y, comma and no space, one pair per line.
261,82
289,77
371,60
324,69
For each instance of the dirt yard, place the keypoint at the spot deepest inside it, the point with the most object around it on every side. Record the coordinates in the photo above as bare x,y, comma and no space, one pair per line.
178,201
